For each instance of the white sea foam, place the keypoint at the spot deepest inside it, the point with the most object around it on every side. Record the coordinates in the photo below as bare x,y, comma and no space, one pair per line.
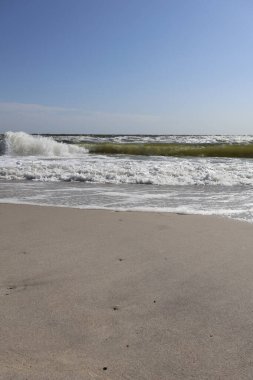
23,144
169,171
206,200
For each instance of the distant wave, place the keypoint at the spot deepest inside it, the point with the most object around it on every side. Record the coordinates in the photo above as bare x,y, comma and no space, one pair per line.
160,139
23,144
175,149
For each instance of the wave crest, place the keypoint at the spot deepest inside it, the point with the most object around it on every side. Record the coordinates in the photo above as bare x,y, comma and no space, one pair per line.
23,144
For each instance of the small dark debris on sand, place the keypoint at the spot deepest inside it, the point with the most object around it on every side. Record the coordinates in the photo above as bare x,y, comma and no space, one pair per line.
12,287
24,253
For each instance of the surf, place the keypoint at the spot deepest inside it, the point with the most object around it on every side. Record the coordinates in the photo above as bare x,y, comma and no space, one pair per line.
23,144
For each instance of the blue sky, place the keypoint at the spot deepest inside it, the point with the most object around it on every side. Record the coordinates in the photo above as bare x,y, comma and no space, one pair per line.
126,66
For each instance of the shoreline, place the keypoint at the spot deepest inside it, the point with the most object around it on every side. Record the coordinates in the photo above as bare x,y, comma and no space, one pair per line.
103,294
148,211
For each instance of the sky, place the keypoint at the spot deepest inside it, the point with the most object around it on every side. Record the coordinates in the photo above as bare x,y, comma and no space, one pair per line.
126,66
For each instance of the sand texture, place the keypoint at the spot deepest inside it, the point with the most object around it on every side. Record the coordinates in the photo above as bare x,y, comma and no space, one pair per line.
124,295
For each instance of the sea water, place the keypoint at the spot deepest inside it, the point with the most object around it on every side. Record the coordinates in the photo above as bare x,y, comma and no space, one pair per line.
56,170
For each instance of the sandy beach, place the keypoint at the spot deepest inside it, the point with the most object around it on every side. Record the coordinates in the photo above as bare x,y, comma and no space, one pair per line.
89,294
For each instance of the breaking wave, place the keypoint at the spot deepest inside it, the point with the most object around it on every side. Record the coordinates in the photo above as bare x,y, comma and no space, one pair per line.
23,144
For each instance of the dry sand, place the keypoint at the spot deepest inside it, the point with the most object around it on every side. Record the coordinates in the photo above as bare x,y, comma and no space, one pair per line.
119,295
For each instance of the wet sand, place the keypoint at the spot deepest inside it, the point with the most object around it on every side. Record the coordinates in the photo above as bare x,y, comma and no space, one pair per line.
124,295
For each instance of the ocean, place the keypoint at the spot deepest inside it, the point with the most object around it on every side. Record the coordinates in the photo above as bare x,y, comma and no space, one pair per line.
209,175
